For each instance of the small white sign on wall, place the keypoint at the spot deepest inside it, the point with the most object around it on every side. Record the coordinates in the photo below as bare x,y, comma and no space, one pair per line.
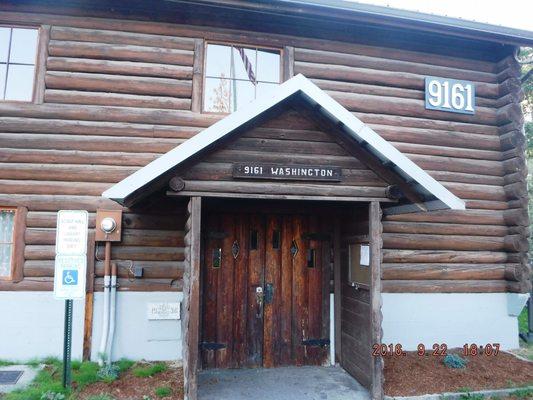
365,255
163,311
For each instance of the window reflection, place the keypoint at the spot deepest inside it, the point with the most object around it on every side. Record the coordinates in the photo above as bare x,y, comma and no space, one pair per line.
236,75
18,50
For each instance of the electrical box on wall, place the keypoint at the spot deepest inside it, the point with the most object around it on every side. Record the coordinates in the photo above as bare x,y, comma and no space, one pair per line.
108,225
359,264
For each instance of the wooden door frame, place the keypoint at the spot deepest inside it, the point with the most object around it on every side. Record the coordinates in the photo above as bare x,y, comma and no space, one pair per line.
192,306
376,244
190,324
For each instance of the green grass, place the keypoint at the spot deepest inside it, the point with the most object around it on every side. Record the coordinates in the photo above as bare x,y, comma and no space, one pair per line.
523,394
49,379
5,363
124,364
163,391
101,397
150,370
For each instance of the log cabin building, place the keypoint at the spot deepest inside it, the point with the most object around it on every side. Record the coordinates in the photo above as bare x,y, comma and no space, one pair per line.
308,178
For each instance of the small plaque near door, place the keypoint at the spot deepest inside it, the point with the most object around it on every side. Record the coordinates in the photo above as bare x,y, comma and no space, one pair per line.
359,265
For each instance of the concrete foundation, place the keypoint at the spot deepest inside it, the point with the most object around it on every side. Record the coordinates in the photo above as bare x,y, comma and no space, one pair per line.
451,318
136,336
31,326
288,383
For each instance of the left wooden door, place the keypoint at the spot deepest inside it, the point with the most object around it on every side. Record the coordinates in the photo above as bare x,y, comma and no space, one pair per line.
232,322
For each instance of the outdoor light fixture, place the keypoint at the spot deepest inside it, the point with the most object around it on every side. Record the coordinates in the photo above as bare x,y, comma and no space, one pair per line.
108,225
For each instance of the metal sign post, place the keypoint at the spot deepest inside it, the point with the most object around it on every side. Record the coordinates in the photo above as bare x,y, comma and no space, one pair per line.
70,273
67,345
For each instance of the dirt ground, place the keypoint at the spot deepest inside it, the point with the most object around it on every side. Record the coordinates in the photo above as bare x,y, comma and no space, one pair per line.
416,375
130,387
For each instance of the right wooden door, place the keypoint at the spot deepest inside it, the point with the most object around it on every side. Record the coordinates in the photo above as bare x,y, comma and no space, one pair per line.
265,290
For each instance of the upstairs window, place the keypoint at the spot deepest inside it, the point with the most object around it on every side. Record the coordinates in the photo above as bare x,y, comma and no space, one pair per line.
7,227
18,52
236,75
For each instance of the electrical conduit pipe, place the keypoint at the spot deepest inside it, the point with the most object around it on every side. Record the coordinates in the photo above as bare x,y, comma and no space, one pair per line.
105,314
112,312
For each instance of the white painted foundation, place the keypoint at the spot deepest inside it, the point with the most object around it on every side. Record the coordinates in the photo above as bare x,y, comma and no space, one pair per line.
451,318
32,323
136,337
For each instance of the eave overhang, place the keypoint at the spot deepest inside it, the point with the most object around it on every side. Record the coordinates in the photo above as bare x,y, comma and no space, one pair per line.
433,195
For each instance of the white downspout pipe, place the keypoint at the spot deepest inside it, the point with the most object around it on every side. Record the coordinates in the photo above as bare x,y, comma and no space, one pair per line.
105,314
112,312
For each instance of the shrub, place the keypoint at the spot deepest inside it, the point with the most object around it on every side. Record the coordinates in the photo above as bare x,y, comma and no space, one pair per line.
149,371
108,373
49,395
163,391
454,361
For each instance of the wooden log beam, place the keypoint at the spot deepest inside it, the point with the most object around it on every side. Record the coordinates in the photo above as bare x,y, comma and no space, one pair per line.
444,228
107,114
66,172
48,157
149,69
118,84
117,37
78,127
387,64
445,286
53,187
453,242
512,140
69,142
54,203
448,256
130,237
441,271
114,99
438,137
123,52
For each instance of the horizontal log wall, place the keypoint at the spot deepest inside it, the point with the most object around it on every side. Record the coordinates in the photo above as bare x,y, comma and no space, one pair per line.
51,161
117,94
479,158
101,67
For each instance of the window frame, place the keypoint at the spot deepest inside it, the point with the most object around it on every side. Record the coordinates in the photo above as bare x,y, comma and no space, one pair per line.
236,44
38,69
13,238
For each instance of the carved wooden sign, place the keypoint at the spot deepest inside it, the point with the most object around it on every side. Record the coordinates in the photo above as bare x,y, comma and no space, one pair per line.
287,172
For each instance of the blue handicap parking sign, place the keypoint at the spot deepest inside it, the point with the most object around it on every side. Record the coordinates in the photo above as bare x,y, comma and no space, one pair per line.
70,277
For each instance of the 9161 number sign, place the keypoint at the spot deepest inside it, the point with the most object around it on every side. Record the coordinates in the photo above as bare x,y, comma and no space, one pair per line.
450,95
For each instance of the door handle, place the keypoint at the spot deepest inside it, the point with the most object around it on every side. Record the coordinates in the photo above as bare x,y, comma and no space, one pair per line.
259,297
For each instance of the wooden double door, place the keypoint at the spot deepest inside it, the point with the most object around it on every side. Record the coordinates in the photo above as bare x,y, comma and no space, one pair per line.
265,290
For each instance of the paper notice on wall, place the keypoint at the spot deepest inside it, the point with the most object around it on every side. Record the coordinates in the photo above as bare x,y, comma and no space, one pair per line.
365,255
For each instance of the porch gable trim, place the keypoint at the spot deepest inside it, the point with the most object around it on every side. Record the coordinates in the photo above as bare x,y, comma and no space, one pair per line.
299,85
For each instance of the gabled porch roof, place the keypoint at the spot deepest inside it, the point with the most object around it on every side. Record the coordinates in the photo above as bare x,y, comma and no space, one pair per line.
430,193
